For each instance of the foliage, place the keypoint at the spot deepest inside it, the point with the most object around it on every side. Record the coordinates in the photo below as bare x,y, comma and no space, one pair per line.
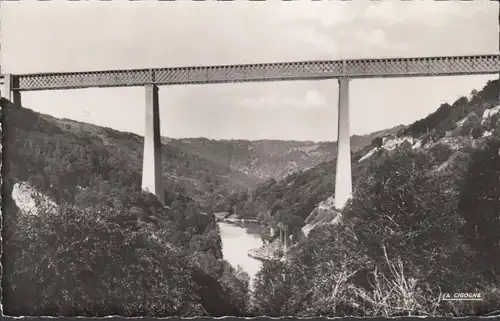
411,232
110,248
399,243
417,225
84,262
411,211
480,205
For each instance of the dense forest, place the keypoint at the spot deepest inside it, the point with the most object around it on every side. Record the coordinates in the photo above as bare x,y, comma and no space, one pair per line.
422,221
296,196
106,247
421,218
268,159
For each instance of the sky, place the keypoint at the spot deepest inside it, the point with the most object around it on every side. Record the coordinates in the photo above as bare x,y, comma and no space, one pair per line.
93,35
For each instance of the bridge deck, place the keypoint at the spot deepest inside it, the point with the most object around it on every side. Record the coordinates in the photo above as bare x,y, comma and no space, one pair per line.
304,70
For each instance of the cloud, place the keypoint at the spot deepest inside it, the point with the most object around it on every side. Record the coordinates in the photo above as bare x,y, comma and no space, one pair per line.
327,14
377,39
317,41
159,34
421,12
312,98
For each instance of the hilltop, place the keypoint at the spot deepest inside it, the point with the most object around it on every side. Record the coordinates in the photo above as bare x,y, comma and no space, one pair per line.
268,159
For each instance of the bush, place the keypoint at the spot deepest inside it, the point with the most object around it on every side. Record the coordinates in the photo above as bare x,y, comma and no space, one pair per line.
413,229
470,123
477,131
99,261
377,142
439,153
89,262
410,211
438,134
479,206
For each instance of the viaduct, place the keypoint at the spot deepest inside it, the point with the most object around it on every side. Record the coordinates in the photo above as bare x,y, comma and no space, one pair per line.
343,70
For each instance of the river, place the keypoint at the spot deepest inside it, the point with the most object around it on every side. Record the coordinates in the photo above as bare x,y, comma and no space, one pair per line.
236,241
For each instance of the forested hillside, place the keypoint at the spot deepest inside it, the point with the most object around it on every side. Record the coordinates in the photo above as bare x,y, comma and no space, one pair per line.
80,238
296,196
423,220
268,159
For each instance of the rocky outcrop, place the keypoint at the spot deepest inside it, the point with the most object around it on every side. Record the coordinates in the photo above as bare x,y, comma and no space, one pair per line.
270,251
30,201
325,213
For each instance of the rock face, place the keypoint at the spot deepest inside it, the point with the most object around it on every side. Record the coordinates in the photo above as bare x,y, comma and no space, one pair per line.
325,213
30,201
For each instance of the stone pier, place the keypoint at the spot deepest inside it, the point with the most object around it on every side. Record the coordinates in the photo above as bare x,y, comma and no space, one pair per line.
343,176
152,174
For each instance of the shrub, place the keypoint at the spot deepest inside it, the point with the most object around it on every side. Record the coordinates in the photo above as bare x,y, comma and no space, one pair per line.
471,122
88,262
480,204
99,260
403,207
477,131
377,142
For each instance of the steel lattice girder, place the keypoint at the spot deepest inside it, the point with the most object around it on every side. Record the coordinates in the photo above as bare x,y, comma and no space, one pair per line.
307,70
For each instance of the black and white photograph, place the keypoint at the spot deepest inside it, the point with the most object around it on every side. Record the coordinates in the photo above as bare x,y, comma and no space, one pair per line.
250,158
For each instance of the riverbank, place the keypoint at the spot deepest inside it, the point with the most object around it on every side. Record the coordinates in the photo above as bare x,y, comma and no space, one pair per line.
267,252
262,252
237,220
232,218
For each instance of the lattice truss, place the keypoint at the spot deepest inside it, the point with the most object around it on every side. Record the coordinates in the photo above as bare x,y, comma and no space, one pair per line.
362,68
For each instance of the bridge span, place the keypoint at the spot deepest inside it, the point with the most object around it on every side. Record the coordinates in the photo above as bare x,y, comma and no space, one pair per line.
343,70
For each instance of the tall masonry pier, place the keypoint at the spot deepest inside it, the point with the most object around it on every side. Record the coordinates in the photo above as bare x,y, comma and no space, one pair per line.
152,176
343,179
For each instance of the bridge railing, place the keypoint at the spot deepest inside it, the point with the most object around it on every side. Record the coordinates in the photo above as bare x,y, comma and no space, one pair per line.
305,70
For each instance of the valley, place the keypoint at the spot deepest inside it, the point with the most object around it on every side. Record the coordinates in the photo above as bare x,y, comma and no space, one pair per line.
249,227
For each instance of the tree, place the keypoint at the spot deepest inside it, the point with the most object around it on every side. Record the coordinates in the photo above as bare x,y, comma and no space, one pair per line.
410,212
377,142
272,289
480,204
477,131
